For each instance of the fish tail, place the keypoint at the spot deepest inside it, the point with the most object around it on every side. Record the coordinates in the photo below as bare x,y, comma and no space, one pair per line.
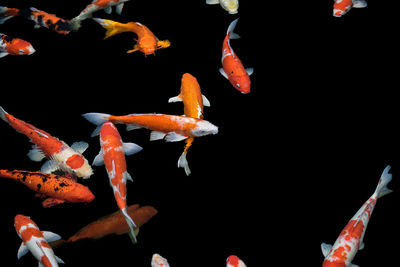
7,13
75,24
97,119
131,225
382,188
230,32
3,114
112,27
182,161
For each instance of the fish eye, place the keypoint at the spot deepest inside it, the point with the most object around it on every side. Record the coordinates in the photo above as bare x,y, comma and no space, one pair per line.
21,51
238,85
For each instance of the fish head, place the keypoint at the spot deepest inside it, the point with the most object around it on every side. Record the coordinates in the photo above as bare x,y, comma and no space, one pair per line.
158,261
230,5
79,166
241,83
234,261
328,263
22,221
341,7
79,194
203,128
21,47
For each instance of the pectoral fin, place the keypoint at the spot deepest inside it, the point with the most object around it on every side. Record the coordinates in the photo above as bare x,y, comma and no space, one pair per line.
131,148
98,160
325,248
221,70
80,147
22,250
50,236
49,166
50,202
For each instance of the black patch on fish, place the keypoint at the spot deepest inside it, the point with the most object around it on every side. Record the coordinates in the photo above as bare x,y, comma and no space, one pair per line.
39,186
40,20
56,189
62,184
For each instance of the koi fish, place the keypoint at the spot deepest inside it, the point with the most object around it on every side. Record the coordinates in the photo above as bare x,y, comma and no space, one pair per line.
229,5
95,6
232,67
36,242
193,102
112,155
60,155
351,238
234,261
158,261
341,7
147,42
58,189
14,46
172,128
41,18
112,224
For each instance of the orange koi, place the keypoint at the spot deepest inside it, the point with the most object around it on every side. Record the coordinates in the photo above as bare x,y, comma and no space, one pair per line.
232,68
14,46
341,7
58,189
172,128
112,155
351,238
111,224
193,102
60,155
41,18
234,261
36,241
147,42
95,6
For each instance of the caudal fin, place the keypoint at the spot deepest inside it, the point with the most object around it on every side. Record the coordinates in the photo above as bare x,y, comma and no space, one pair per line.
382,188
231,27
3,114
7,13
131,225
112,27
183,163
97,119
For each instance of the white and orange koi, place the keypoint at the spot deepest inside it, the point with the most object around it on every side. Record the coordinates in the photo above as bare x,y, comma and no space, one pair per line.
158,261
14,46
95,6
229,5
112,155
193,102
341,7
234,261
232,68
60,155
36,242
351,238
171,127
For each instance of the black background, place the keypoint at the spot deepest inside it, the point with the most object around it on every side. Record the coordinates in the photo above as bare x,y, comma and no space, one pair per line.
291,164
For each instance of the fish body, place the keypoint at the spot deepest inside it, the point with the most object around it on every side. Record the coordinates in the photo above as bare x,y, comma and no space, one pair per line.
341,7
193,103
351,238
49,21
36,242
58,189
95,6
232,67
115,223
14,46
229,5
147,42
234,261
112,155
172,127
41,18
158,261
60,155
